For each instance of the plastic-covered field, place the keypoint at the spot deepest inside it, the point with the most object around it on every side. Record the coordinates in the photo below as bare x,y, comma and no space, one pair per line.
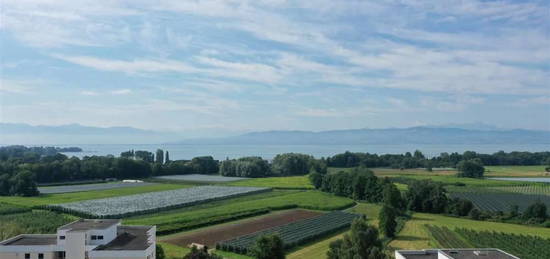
125,206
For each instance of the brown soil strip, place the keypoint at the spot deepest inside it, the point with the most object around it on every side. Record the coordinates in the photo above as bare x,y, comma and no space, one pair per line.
213,235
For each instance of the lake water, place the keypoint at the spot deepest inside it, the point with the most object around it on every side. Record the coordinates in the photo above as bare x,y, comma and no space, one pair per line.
521,179
179,151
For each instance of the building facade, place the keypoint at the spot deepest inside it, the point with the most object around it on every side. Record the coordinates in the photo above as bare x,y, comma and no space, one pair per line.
85,239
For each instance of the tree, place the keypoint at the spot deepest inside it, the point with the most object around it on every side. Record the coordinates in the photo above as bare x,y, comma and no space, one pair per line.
268,247
291,164
245,167
22,184
387,223
470,168
361,243
391,196
537,211
205,165
514,211
316,179
459,207
159,252
160,156
426,196
196,253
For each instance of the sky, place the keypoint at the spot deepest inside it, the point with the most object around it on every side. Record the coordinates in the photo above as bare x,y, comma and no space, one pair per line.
275,65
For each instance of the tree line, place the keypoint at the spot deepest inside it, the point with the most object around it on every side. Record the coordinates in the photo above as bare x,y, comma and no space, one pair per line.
418,160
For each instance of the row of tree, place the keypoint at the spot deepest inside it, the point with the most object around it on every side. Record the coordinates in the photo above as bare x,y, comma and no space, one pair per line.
418,160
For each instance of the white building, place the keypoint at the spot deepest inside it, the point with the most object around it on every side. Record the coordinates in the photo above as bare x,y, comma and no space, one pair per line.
85,239
461,253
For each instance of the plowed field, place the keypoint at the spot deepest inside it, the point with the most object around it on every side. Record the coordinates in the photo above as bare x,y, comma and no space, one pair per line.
213,235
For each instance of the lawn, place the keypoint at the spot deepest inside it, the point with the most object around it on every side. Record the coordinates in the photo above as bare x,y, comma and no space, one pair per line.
288,182
415,236
517,171
232,209
45,199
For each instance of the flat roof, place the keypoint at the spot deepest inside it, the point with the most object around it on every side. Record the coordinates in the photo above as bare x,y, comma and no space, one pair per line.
459,253
129,238
419,254
31,240
477,253
86,224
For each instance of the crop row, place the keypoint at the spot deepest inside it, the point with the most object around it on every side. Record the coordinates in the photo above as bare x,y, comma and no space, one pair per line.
526,189
446,238
523,246
501,201
125,206
295,233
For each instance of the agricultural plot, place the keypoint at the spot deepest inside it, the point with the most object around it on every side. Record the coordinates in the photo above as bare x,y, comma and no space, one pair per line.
525,247
201,178
526,189
446,238
88,187
6,209
295,233
501,201
212,236
124,206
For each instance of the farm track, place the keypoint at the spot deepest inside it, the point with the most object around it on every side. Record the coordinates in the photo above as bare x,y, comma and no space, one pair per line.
214,235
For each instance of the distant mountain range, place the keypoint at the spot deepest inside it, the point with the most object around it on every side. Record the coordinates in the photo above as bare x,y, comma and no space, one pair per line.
11,133
414,135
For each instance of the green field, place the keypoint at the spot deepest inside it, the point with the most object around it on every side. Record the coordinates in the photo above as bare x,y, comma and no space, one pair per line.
415,235
45,199
223,211
288,182
518,171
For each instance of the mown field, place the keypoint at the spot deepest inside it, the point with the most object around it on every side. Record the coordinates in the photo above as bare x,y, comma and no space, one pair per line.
516,171
288,182
46,199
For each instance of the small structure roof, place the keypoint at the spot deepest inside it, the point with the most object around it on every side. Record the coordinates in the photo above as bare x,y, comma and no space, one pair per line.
31,240
129,238
87,224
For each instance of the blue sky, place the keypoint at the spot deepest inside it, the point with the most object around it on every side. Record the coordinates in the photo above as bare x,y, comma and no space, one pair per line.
233,66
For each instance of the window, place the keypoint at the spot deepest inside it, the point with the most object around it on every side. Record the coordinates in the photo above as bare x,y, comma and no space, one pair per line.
40,256
94,237
62,237
61,255
27,256
100,237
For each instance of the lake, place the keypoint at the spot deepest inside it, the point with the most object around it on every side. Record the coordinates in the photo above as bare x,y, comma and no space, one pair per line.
182,151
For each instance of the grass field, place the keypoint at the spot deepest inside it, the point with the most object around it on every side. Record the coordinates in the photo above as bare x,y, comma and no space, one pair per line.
223,211
45,199
288,182
519,171
415,236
